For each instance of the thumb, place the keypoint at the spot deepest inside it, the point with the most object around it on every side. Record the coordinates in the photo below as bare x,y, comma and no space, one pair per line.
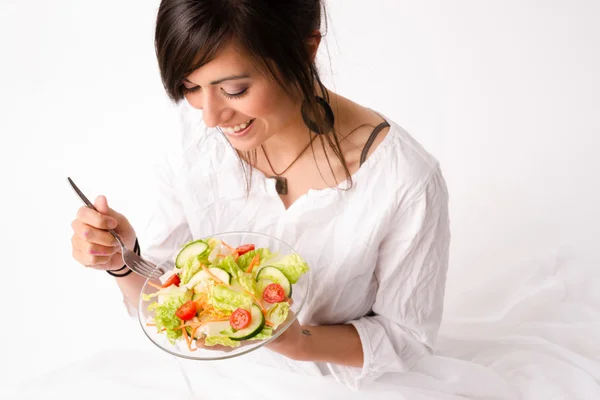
101,205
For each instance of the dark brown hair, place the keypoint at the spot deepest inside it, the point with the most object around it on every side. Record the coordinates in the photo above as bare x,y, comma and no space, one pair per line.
189,33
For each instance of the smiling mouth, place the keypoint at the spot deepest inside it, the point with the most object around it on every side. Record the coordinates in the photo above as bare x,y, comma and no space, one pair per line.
238,129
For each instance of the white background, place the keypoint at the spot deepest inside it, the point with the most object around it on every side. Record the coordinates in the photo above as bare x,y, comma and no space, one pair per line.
504,94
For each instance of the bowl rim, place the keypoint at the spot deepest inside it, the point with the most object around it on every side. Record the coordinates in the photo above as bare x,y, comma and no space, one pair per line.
259,344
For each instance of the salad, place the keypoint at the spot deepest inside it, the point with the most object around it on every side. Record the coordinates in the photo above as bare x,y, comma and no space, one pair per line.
222,295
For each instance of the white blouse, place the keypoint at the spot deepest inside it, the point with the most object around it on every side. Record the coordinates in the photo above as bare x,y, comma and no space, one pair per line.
381,247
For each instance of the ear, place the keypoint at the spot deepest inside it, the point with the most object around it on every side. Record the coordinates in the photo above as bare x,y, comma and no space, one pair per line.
313,42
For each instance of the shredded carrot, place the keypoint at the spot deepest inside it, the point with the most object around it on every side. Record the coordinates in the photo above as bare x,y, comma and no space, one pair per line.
228,246
154,285
264,311
201,306
185,325
269,323
194,331
201,301
188,340
255,261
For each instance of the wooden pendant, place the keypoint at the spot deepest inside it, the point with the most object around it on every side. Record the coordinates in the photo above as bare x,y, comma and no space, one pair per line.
281,185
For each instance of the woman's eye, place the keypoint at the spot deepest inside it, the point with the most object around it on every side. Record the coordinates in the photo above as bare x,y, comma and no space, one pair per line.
191,89
235,95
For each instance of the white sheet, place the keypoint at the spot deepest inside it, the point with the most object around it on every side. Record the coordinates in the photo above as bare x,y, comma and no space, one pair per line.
539,338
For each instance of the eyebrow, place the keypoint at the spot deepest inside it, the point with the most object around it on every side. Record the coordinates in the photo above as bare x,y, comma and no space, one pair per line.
228,78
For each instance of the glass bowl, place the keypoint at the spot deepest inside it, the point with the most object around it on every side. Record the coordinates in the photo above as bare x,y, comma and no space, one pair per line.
234,239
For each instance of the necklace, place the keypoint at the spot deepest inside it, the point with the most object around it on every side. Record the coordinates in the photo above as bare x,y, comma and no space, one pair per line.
281,185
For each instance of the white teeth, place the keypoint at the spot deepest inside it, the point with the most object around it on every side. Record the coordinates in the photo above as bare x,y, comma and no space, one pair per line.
237,128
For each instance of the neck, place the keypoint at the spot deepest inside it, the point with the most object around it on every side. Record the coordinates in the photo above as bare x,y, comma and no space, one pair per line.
287,143
283,147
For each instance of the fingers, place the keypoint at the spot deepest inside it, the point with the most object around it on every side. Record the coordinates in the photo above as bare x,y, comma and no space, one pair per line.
93,235
89,260
95,219
88,253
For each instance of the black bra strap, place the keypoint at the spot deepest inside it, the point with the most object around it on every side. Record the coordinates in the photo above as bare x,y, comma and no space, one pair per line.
371,139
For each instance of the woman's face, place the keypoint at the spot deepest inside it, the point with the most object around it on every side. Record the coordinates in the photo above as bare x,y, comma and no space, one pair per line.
236,97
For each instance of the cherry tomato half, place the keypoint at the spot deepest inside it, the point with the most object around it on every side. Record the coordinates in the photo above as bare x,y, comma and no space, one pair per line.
240,319
187,311
273,293
173,280
244,249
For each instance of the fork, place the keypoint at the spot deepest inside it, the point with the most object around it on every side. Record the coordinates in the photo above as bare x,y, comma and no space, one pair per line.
134,262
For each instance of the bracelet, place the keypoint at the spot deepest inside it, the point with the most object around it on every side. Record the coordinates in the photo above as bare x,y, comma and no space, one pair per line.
136,249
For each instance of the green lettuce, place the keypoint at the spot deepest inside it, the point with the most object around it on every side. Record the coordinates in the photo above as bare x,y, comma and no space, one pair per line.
292,266
244,260
191,268
278,314
228,264
246,281
222,340
165,318
266,333
225,299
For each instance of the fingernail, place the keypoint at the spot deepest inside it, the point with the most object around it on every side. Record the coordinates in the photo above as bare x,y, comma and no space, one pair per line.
112,223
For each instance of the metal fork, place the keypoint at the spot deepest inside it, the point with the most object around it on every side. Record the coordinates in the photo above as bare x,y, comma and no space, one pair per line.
136,263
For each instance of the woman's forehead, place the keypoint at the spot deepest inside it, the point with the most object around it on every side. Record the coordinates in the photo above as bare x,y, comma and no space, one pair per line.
229,61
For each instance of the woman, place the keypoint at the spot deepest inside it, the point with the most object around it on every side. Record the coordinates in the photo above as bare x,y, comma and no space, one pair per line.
266,147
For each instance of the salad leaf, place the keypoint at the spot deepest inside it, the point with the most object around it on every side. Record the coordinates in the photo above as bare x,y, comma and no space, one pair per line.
278,313
292,266
164,317
244,260
266,333
228,264
222,340
165,293
190,269
246,281
225,299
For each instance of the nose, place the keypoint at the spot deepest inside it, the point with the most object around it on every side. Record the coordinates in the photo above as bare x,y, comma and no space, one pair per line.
214,111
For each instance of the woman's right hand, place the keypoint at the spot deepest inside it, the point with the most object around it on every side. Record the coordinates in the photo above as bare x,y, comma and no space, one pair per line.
93,245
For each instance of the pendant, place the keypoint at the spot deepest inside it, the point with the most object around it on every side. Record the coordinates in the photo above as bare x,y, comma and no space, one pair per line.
281,185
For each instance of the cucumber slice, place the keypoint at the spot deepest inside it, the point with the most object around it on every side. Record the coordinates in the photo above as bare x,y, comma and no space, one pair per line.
220,274
276,276
194,249
201,276
257,323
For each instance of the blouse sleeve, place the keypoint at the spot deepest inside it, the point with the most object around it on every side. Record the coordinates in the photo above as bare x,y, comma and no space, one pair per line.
411,274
